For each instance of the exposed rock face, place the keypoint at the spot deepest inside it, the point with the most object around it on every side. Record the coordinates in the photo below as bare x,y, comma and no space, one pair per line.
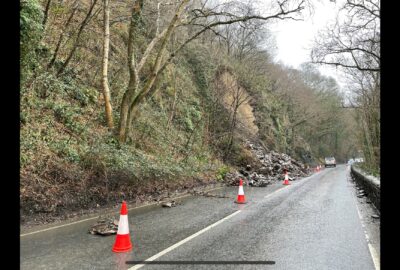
273,168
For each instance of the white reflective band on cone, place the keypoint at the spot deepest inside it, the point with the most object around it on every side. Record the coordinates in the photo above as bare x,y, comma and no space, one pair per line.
241,192
123,225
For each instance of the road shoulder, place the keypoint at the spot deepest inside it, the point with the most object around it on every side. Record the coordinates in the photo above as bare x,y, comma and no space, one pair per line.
370,220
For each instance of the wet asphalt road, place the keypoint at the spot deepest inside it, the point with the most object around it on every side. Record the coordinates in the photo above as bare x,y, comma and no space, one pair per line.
311,224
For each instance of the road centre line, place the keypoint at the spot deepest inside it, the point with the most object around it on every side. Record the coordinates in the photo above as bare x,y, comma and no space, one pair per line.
276,191
156,256
83,220
165,251
284,188
184,241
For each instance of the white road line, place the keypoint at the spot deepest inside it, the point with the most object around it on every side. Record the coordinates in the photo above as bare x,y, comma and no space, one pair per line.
196,234
184,241
276,191
83,220
375,257
372,251
359,214
56,227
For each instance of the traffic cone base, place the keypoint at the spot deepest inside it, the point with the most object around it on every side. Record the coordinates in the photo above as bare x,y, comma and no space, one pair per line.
286,181
241,199
123,241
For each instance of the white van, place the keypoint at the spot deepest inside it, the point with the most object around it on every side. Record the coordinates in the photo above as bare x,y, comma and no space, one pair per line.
330,161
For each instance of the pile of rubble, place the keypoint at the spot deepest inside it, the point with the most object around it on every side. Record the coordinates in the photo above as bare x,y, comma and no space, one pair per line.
273,166
104,226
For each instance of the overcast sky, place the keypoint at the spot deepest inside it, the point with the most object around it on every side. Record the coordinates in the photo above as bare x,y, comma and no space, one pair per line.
294,38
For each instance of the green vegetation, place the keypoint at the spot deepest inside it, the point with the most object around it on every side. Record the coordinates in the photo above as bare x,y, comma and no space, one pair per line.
31,31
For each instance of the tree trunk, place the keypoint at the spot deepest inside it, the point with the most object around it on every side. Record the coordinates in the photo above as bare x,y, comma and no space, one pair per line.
133,76
124,114
128,116
106,90
171,117
231,130
46,13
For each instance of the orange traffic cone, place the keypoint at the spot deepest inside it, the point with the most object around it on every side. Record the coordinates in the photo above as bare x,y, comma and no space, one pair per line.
123,240
286,181
240,197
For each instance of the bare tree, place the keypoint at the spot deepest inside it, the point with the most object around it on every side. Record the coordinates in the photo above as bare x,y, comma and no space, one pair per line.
354,40
353,43
243,39
237,96
130,100
200,20
78,37
106,43
366,101
232,95
61,38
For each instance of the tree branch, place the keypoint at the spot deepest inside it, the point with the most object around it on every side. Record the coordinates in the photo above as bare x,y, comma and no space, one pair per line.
280,15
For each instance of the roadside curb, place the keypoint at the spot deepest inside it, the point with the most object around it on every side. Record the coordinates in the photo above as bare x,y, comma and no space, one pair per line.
369,183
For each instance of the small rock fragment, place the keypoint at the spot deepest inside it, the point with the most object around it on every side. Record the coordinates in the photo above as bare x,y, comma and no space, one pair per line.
167,204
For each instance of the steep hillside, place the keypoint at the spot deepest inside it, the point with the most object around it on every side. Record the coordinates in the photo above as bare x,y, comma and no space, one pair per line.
70,161
183,111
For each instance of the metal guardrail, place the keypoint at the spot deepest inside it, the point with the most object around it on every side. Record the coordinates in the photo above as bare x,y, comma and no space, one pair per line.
370,184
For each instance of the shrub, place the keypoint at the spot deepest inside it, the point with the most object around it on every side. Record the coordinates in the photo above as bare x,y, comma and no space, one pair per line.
221,172
66,115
